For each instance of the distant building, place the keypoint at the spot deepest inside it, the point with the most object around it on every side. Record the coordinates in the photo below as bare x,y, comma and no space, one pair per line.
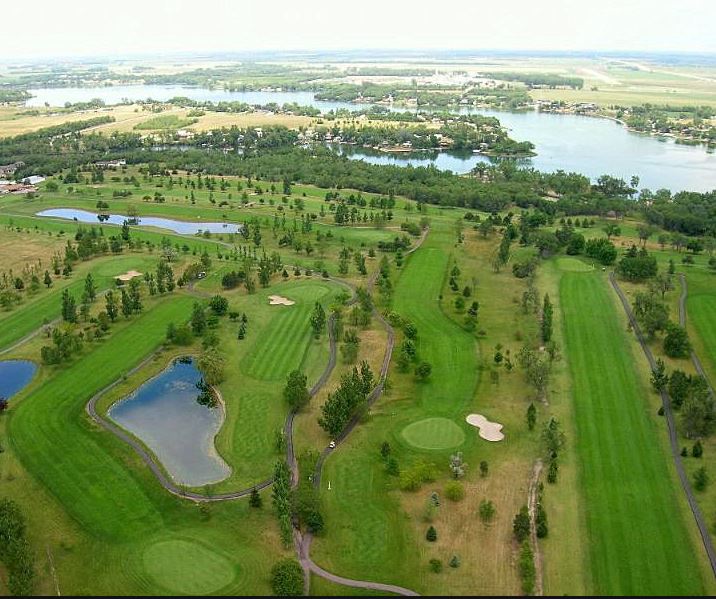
33,180
111,163
9,169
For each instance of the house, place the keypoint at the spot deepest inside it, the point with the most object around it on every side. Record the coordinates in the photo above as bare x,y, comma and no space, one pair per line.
9,169
111,163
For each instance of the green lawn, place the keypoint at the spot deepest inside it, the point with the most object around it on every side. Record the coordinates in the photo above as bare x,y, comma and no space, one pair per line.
46,306
51,435
638,537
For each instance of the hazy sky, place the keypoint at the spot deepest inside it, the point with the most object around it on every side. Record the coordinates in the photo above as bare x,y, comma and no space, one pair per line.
41,28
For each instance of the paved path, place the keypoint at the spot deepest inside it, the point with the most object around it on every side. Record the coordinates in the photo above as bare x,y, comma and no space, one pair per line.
682,321
673,438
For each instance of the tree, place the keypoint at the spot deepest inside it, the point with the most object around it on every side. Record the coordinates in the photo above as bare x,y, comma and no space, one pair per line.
486,511
69,307
318,320
211,364
541,521
601,249
423,371
454,491
296,390
219,305
612,230
255,499
287,578
553,437
48,279
111,306
547,313
676,342
457,465
431,535
198,319
484,468
90,288
698,450
531,416
521,524
701,479
659,378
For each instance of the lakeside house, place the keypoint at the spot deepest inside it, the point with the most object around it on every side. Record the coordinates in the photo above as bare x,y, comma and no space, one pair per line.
111,163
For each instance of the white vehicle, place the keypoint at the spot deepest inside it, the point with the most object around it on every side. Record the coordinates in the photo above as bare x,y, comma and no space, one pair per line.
332,445
200,275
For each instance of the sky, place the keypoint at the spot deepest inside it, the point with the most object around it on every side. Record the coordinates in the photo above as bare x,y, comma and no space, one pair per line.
54,28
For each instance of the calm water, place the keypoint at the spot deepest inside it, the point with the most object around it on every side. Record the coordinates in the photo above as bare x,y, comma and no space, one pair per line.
568,142
178,226
14,376
165,415
162,93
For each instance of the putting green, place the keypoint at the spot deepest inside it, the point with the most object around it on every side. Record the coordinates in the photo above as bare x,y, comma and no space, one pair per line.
434,433
573,265
187,567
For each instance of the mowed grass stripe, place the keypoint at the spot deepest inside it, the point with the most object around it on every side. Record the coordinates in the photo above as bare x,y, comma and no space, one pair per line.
638,538
50,434
450,350
284,341
701,310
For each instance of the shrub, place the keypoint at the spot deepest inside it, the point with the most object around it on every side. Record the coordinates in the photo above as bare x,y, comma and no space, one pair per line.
287,578
698,450
454,562
454,491
431,535
521,524
526,566
487,510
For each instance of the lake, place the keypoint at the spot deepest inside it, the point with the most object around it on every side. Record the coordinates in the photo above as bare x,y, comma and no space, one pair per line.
164,414
587,145
15,375
178,226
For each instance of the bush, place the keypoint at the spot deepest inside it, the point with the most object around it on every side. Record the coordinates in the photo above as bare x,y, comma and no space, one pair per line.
701,479
431,535
454,562
219,305
521,524
487,510
454,491
526,566
287,578
698,450
436,566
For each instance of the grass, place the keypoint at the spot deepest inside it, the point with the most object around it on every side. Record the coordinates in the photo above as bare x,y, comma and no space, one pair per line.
46,306
188,567
638,538
568,264
434,433
50,435
164,122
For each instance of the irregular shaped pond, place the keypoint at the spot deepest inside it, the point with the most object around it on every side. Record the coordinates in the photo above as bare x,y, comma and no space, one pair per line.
178,226
164,414
14,376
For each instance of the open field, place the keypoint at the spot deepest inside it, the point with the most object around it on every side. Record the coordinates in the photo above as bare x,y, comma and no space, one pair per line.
632,549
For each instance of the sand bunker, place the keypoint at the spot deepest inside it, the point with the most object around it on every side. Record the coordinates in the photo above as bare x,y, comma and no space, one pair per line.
279,300
490,431
129,275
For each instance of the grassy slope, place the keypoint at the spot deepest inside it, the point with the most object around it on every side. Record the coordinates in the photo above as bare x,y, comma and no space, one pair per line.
639,542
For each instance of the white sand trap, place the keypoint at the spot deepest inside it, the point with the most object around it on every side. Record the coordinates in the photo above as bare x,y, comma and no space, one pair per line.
490,431
129,275
279,300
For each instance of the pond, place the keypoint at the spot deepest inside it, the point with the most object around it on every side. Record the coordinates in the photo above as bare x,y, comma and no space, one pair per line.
164,414
587,145
15,375
178,226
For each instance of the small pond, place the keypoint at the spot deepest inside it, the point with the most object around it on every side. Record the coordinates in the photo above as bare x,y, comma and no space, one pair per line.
165,415
178,226
15,376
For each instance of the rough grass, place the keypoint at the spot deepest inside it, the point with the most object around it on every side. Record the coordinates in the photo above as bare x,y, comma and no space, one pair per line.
701,310
434,433
638,540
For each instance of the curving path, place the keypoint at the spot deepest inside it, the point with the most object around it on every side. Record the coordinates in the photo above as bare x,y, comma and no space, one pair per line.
673,438
682,321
